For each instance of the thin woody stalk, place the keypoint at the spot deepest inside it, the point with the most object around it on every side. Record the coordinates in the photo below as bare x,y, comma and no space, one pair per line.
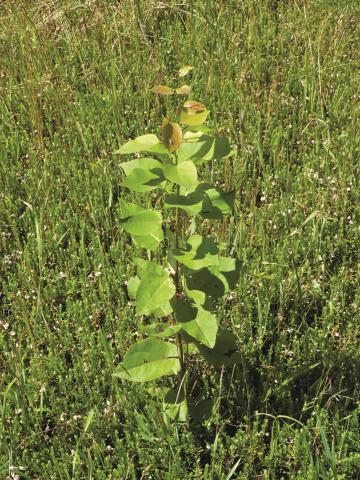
178,293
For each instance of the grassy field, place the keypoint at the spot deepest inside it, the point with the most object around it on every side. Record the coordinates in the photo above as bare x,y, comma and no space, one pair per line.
282,81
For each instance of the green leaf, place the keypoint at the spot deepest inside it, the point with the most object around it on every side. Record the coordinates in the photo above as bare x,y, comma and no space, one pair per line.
145,267
142,164
192,136
132,286
143,143
193,150
136,220
196,321
191,203
151,241
224,353
197,119
175,405
148,360
161,330
204,149
198,128
183,174
143,174
217,280
221,202
200,252
154,293
143,180
207,201
200,298
161,150
145,226
164,311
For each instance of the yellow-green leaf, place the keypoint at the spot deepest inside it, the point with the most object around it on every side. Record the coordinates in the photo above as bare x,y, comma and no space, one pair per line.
200,252
184,70
216,280
162,90
161,330
153,293
196,321
144,143
184,90
205,200
224,352
183,174
148,360
142,174
193,119
143,225
151,241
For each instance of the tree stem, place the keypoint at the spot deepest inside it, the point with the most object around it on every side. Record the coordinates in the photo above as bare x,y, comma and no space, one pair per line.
177,231
179,343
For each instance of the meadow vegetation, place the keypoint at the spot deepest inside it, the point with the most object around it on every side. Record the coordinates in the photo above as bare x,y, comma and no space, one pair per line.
281,80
